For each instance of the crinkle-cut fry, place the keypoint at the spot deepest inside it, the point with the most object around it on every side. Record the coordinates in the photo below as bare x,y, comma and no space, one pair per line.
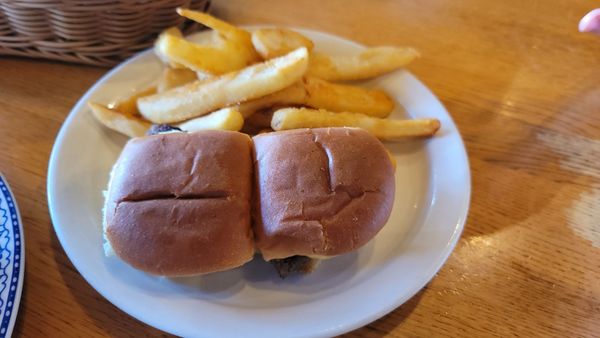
274,42
122,123
173,77
385,129
202,97
128,105
225,119
369,63
347,98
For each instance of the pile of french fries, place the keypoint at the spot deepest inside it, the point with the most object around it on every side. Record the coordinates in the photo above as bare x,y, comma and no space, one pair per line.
268,79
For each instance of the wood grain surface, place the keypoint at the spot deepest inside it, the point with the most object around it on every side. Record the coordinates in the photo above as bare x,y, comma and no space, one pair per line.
524,89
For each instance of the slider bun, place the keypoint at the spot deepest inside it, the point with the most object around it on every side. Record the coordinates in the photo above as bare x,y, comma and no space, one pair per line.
319,192
178,204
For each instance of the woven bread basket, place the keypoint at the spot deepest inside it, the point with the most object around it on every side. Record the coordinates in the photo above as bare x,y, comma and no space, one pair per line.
95,32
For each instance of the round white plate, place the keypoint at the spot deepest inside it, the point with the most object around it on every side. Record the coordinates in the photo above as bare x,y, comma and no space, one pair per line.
344,293
12,259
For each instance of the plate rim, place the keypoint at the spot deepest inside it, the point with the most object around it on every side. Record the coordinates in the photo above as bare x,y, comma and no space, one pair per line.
18,284
340,329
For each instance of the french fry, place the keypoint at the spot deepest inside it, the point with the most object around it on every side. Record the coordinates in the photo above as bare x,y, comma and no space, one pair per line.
294,118
173,77
128,105
233,39
201,97
292,95
200,58
171,31
226,29
372,62
318,93
274,42
369,63
228,50
225,119
346,98
122,123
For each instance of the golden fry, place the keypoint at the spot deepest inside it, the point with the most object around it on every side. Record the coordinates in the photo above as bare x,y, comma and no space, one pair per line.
321,94
200,58
226,29
172,77
224,119
171,31
370,63
122,123
233,39
201,97
294,118
292,95
274,42
347,98
228,49
128,105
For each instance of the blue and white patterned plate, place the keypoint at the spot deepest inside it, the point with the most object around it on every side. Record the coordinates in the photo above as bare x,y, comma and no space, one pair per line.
12,259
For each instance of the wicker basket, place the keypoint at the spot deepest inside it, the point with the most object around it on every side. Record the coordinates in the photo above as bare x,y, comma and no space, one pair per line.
95,32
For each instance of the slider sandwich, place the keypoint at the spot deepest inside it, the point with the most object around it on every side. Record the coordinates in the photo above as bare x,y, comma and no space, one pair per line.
181,204
318,193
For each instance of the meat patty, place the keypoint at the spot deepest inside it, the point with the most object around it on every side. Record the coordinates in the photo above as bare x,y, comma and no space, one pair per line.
294,264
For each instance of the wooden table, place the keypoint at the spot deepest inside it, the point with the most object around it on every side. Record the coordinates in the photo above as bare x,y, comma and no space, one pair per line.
523,87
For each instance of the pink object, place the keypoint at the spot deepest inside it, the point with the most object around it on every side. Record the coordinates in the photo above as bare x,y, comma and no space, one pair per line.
591,22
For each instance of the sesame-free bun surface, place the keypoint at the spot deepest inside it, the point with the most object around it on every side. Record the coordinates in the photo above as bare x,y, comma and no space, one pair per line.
178,204
319,192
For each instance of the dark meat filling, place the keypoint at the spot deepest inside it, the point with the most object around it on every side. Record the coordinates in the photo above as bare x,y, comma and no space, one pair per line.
289,265
161,128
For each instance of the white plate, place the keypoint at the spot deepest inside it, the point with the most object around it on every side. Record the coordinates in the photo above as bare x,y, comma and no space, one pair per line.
12,259
344,293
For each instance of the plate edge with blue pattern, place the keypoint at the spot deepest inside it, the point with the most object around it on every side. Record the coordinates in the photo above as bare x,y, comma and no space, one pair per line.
12,259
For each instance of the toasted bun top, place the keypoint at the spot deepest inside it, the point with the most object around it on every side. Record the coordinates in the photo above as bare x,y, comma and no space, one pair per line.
178,203
320,192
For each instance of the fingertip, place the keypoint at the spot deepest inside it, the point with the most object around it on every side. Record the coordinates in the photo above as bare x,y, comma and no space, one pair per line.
591,22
